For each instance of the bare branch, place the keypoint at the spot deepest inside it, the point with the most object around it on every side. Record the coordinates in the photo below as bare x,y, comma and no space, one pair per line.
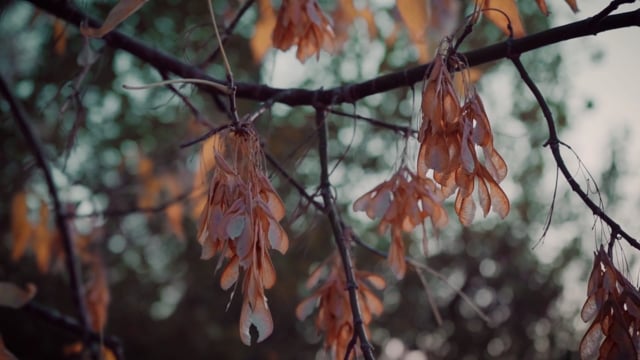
73,267
554,144
346,93
339,236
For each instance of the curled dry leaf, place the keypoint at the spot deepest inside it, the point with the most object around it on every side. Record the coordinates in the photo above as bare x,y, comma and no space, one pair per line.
613,306
334,317
15,297
402,203
303,23
240,223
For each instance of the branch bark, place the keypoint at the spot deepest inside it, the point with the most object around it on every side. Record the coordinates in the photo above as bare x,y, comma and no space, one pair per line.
348,93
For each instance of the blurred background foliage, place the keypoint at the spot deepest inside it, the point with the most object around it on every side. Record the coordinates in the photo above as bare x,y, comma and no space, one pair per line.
166,302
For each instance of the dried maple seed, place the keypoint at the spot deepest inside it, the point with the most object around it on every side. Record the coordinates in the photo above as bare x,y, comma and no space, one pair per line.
334,317
450,136
303,23
402,203
240,223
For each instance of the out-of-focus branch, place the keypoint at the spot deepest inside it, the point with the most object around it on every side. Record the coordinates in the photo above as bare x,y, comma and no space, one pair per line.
554,144
73,267
346,93
69,324
339,236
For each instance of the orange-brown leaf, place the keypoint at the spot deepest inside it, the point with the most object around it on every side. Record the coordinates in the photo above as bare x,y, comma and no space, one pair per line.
20,226
119,13
261,40
505,7
416,18
59,37
42,240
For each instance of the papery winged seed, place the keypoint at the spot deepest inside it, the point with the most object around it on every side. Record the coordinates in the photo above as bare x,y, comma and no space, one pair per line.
260,317
230,274
306,307
495,164
609,280
589,309
373,302
224,165
235,226
373,280
483,196
590,343
465,208
316,275
379,204
362,203
278,238
499,200
268,272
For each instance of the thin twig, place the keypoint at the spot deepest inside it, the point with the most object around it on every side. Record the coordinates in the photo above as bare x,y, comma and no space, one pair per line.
554,144
72,265
205,136
233,109
378,123
293,182
196,113
227,32
339,236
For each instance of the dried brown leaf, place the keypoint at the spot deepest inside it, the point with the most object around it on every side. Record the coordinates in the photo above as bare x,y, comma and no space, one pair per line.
119,13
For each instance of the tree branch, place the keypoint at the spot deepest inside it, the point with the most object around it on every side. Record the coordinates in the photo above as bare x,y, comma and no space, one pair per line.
339,236
71,260
554,144
71,325
351,92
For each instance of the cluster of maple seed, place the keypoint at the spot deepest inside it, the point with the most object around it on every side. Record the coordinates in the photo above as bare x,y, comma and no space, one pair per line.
448,162
240,222
334,316
613,306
